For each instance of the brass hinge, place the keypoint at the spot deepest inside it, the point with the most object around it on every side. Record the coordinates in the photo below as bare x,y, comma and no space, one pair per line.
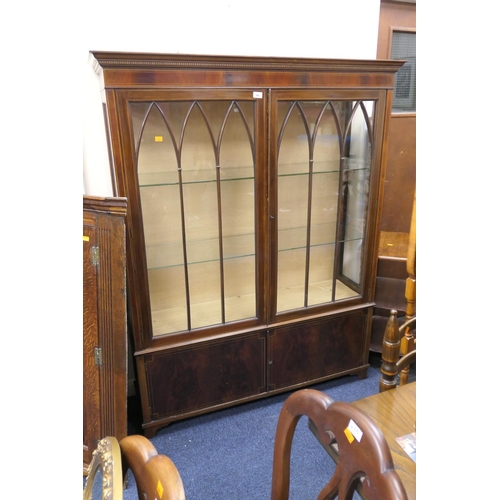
98,356
95,255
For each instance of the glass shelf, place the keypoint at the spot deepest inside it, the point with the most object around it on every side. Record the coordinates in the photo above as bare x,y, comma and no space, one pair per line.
207,313
318,245
320,292
294,238
168,295
171,254
241,246
152,179
320,167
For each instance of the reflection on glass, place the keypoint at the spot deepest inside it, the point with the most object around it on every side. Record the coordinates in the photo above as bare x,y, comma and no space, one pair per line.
324,161
356,189
196,169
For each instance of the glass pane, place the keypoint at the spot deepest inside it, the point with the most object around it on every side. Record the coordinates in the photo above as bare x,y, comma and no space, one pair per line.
161,211
195,163
293,188
403,47
198,162
238,220
324,204
356,190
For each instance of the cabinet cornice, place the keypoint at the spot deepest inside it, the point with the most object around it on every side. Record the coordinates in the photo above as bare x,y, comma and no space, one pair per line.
126,60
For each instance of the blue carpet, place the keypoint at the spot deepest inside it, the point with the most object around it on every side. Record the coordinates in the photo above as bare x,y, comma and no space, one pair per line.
227,455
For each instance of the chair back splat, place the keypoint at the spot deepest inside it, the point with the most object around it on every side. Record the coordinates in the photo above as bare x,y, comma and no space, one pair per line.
363,453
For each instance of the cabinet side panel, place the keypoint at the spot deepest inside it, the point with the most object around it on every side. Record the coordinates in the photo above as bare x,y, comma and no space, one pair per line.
104,322
91,400
312,351
204,376
112,326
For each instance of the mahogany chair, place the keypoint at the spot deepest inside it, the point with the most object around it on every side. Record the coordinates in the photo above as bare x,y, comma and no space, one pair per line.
394,368
155,474
399,343
363,453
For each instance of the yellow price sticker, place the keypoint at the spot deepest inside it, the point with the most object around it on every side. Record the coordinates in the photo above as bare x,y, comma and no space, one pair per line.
158,138
86,238
349,435
159,489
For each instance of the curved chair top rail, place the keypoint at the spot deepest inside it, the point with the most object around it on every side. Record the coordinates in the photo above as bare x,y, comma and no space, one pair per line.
363,451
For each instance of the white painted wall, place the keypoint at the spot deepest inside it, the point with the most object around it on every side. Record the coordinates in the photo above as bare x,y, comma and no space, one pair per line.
316,28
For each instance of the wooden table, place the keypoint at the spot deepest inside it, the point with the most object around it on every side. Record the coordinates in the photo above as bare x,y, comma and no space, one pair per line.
394,412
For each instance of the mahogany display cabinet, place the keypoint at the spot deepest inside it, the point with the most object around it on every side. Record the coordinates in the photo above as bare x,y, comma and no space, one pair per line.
254,187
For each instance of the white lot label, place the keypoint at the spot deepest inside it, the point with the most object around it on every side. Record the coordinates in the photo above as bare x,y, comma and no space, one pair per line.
355,430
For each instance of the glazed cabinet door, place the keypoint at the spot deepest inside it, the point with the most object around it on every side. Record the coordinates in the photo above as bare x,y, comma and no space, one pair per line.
324,183
194,181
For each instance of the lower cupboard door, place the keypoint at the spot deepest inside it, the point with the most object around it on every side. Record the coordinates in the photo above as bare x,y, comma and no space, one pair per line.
202,376
316,350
